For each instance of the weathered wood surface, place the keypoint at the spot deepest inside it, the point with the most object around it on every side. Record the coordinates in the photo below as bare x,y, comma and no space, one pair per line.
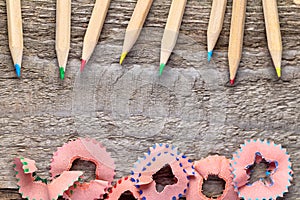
129,107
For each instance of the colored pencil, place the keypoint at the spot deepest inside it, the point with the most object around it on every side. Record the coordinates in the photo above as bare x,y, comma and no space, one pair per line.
63,32
94,30
171,31
215,25
273,33
15,33
236,36
135,26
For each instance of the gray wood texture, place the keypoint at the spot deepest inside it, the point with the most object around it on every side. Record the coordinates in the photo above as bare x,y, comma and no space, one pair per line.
128,108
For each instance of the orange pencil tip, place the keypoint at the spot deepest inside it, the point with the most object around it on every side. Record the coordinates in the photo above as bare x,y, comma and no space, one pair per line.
231,81
83,62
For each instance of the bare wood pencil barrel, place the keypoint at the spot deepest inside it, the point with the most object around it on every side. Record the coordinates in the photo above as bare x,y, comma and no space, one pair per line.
236,36
63,31
171,31
135,26
273,33
94,30
15,33
215,25
128,107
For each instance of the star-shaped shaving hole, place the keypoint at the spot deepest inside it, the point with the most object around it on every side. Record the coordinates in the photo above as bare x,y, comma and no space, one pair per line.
261,170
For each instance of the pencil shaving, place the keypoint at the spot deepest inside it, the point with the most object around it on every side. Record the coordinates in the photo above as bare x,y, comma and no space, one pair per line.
89,150
280,173
36,188
85,149
122,185
87,191
212,165
156,158
28,165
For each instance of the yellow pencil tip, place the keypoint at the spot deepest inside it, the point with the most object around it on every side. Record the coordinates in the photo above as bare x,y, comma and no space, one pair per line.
123,56
278,71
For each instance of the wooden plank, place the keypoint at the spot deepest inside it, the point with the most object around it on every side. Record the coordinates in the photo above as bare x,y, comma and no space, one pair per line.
128,108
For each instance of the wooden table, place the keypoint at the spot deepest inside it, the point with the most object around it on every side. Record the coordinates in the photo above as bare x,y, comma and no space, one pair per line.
128,108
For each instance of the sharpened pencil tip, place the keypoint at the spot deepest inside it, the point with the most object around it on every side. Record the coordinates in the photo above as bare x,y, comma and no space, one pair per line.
123,56
62,73
83,62
209,55
278,71
161,69
18,70
231,81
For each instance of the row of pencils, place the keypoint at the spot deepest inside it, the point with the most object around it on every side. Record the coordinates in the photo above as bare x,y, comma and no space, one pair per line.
63,27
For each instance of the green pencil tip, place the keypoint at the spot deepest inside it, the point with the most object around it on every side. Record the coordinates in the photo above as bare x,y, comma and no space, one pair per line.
62,73
162,66
278,71
123,56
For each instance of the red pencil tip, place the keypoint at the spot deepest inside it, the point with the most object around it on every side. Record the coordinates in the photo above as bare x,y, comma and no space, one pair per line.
83,62
231,81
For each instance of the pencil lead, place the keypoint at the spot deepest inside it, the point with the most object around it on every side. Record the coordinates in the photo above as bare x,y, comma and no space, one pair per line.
162,66
278,71
231,81
62,73
123,56
83,62
18,70
209,55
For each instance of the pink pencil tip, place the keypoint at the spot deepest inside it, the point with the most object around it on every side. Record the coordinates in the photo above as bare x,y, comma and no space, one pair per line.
231,81
83,62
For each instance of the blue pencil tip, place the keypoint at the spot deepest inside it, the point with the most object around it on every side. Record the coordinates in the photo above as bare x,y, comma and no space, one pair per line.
209,55
18,70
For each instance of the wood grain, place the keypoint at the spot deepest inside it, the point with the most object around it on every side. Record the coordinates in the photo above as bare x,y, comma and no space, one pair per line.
128,108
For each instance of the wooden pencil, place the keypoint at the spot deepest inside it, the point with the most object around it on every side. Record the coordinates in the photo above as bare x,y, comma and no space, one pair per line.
236,36
63,32
215,25
94,30
135,26
273,33
15,33
171,31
